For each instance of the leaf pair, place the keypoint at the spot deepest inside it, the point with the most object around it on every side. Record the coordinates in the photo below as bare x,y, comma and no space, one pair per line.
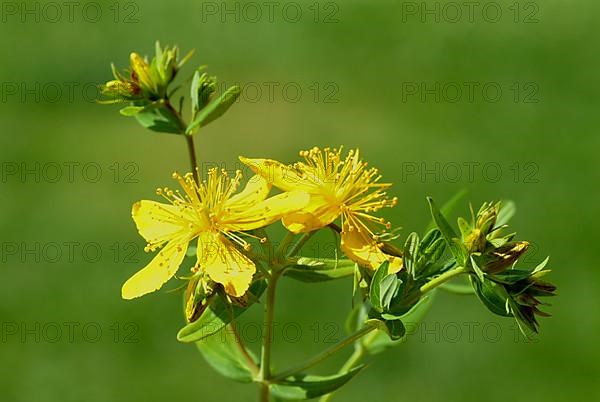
205,109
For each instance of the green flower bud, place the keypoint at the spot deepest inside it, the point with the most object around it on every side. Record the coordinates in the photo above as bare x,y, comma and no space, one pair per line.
196,297
475,235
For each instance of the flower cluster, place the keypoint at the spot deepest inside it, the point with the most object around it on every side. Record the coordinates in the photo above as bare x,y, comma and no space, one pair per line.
314,193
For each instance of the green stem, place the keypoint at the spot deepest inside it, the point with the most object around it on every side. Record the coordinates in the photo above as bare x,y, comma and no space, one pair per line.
193,159
352,361
326,353
242,347
446,276
285,244
300,243
265,365
458,289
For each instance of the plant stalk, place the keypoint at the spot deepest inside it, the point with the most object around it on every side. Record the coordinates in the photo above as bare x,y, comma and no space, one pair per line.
352,361
240,343
300,243
326,353
193,158
264,375
446,276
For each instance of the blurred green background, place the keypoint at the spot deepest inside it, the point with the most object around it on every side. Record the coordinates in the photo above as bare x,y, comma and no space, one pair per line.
381,76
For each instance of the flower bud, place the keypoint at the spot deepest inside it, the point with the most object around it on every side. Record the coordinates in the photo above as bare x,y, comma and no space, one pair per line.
196,297
140,74
145,81
475,240
524,296
503,257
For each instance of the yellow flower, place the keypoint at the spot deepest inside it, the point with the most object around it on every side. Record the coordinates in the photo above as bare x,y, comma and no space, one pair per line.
215,215
338,187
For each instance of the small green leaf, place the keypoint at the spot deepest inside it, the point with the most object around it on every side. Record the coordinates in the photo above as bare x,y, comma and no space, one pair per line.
428,258
131,110
429,238
302,387
395,329
320,269
202,88
379,340
510,276
507,211
449,206
160,119
464,226
194,90
541,266
480,274
456,247
388,290
214,109
217,315
411,249
375,289
493,296
221,351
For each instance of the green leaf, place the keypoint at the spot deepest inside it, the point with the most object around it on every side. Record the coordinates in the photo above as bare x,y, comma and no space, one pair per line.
541,266
507,211
449,206
510,276
160,119
194,89
416,314
131,110
411,250
430,237
379,340
320,269
428,258
214,109
388,290
456,247
493,296
202,88
394,327
302,387
480,274
217,315
464,226
375,289
221,351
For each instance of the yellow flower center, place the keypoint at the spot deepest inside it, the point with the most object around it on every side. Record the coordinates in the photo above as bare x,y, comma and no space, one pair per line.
348,185
205,203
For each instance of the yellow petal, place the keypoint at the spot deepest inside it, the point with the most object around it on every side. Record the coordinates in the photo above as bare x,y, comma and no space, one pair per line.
318,213
158,223
256,190
265,212
281,176
224,263
158,271
360,247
